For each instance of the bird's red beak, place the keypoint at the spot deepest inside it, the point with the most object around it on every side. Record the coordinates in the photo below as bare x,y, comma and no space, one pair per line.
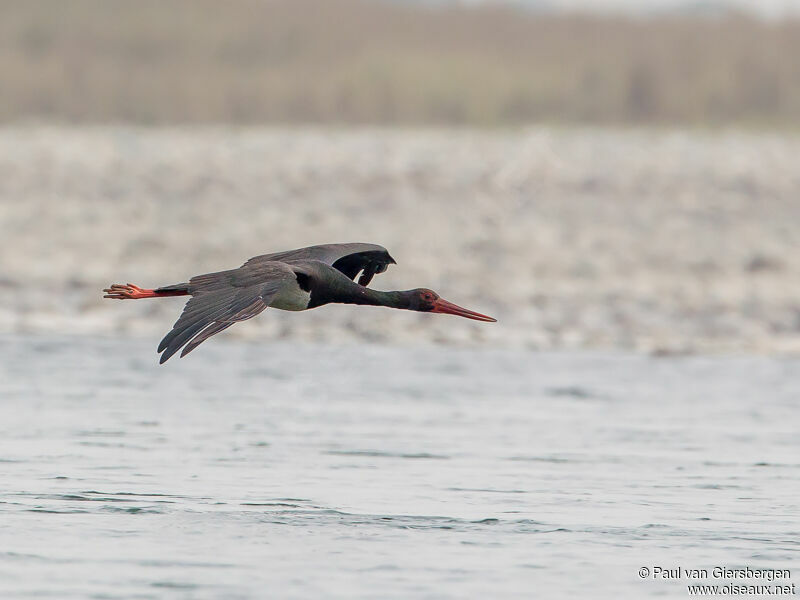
448,308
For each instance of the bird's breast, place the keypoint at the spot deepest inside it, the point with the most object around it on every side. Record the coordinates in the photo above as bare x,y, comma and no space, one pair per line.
291,297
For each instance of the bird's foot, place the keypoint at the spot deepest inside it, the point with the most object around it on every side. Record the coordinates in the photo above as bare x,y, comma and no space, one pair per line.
128,292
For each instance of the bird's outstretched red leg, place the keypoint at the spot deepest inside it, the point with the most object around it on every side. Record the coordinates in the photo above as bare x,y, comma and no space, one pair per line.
129,292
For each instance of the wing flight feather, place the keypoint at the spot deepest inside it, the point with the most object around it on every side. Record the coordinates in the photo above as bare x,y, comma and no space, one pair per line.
221,299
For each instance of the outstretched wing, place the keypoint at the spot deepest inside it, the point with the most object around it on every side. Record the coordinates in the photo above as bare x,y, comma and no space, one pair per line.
222,299
350,259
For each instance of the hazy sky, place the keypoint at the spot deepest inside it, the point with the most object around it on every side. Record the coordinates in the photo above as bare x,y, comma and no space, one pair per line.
770,8
765,8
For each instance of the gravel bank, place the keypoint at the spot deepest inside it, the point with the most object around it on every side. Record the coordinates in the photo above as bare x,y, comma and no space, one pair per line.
636,240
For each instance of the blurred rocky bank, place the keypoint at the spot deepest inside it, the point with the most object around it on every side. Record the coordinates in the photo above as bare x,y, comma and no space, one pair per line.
647,240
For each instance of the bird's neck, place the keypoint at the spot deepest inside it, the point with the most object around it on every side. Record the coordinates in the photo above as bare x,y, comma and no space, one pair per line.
357,294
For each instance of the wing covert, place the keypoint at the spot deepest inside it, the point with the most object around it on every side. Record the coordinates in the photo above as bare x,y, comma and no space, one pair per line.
350,259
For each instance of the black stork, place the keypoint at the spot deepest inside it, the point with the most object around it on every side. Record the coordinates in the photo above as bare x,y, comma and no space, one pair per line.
292,280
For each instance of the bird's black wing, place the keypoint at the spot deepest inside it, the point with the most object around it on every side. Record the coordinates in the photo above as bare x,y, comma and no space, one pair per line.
350,259
222,299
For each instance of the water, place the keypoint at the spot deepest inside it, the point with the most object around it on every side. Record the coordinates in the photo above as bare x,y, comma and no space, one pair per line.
298,471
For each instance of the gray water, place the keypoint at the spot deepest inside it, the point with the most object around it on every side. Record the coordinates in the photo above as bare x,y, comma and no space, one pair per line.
300,471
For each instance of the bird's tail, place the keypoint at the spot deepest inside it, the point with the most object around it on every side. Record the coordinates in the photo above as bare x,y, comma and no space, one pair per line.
129,291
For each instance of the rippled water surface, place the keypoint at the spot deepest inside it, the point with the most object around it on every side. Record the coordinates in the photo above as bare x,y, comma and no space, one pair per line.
279,470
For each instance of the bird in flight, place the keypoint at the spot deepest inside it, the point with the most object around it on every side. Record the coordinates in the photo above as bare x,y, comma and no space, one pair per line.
292,280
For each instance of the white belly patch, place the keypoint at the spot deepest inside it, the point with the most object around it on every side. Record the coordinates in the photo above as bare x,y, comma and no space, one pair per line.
291,297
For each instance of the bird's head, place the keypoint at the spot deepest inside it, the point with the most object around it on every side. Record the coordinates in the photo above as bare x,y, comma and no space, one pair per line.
425,300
